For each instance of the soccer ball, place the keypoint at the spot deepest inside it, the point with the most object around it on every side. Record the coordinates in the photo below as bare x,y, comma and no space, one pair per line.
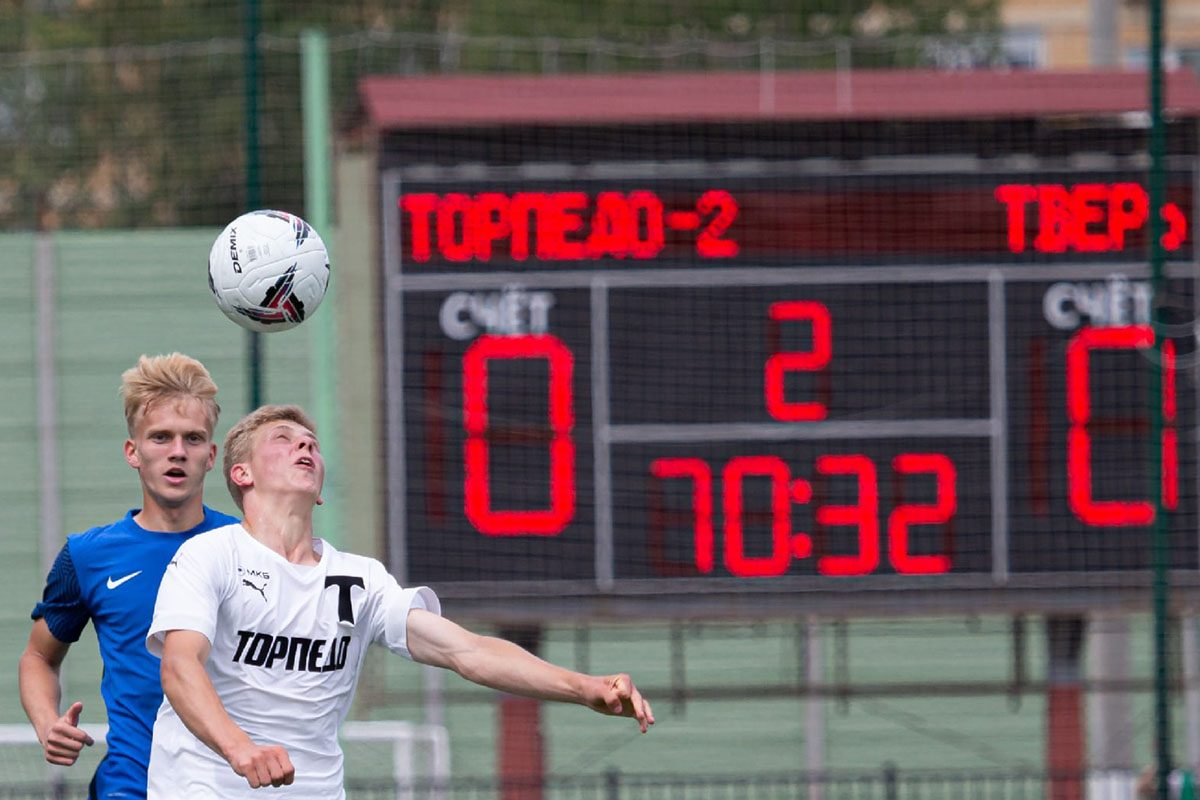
268,270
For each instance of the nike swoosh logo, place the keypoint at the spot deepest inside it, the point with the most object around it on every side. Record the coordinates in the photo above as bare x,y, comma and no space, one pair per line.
114,584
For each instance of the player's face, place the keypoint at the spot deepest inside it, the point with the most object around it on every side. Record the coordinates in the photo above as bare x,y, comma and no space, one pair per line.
172,450
286,459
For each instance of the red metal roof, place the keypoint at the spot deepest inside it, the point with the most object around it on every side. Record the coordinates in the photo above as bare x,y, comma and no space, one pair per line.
403,102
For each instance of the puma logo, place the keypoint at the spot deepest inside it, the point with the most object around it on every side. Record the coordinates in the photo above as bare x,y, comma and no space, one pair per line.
258,589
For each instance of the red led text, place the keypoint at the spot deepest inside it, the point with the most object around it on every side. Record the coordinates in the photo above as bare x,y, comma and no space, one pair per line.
480,510
1086,507
562,226
933,470
1082,218
815,359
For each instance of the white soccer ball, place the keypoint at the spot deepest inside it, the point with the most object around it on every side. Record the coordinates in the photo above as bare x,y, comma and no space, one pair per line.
268,270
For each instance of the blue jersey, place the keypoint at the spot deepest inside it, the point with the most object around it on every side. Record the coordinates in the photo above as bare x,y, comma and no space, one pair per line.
110,575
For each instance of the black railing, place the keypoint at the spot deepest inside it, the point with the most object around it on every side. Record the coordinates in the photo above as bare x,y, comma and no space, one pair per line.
887,783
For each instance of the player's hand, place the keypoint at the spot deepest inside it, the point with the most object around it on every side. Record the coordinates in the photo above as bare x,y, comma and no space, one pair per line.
64,739
263,765
616,695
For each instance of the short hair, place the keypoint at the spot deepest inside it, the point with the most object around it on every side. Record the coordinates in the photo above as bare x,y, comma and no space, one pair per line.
174,376
241,437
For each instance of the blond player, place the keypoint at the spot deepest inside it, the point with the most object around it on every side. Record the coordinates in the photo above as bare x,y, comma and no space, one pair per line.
263,630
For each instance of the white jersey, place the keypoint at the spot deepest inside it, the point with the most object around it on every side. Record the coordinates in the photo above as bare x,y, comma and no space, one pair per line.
288,642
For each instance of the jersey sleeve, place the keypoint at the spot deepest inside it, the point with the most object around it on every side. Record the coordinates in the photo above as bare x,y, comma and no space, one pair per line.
62,604
191,591
390,619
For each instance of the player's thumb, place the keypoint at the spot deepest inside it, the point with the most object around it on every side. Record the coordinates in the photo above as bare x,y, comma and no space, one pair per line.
72,717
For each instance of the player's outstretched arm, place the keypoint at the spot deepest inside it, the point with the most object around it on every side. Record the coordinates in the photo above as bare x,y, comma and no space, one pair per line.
502,665
41,692
186,684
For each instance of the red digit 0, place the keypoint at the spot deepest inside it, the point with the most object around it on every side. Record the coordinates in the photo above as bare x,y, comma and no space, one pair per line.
816,359
490,521
943,508
1114,513
781,516
864,515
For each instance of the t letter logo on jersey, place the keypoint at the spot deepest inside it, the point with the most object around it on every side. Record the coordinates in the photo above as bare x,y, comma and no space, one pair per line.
344,582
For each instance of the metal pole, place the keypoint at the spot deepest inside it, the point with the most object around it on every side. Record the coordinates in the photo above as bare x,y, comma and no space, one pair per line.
1191,688
314,67
1109,714
814,710
250,26
1159,552
45,265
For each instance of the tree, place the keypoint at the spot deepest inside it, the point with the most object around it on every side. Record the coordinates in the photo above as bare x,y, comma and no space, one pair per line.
121,115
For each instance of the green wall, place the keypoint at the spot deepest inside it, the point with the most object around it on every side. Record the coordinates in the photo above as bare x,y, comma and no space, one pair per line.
117,295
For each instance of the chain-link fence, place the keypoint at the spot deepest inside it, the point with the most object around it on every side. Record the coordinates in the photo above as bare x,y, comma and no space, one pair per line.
139,120
153,135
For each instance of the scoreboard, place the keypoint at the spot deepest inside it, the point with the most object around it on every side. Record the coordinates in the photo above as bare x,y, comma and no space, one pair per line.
704,385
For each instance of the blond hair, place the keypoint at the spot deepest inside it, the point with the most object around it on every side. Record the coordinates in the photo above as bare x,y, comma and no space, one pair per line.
175,376
240,439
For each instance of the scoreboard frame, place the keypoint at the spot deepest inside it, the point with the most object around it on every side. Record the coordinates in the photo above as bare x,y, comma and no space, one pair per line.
990,268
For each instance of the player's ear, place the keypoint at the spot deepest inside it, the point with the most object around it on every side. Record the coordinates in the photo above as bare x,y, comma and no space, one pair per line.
131,456
212,456
240,475
320,500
